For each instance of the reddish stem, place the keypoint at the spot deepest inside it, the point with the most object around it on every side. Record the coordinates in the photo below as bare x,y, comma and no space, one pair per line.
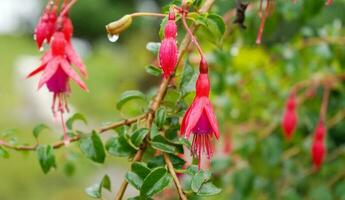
262,23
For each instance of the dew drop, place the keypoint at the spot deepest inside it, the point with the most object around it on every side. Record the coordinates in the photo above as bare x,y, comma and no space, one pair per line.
113,38
41,48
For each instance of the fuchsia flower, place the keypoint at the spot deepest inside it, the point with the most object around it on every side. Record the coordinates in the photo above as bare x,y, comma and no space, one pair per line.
289,121
56,62
168,52
318,149
329,2
200,118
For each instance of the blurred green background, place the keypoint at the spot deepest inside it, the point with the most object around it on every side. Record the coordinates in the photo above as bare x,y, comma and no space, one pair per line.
249,86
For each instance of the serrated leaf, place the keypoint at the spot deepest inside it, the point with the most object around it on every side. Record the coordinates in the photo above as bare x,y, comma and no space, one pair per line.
153,47
129,95
92,147
208,189
138,136
95,190
74,118
155,182
163,147
153,70
140,169
134,180
160,117
38,129
4,153
118,146
46,157
199,179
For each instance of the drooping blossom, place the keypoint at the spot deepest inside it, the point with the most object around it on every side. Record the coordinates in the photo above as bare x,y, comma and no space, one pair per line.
200,118
56,64
318,149
289,120
168,52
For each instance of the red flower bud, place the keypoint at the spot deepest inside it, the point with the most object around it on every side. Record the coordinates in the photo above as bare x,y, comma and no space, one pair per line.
289,120
318,149
168,52
329,2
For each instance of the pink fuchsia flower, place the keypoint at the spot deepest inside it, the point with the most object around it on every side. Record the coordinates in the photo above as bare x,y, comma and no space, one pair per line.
201,120
168,52
318,149
289,120
57,71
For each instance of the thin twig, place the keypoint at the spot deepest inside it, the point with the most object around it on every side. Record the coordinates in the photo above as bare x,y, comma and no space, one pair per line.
75,138
175,178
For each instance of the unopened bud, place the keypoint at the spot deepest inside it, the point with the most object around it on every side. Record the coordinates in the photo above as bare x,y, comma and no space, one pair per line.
118,26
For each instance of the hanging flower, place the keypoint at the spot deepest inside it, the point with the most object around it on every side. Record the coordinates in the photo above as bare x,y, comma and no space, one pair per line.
57,70
318,149
200,119
168,52
289,121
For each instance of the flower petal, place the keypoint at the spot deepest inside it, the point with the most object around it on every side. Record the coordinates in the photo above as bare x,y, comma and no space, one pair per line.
49,71
194,114
37,70
212,117
71,73
76,60
184,121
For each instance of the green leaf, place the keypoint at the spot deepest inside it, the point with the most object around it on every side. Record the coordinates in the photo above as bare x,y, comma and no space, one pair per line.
153,47
155,182
74,118
95,190
162,26
4,153
153,70
163,147
192,170
129,95
161,116
199,179
139,198
46,157
208,189
188,79
138,136
92,147
218,20
118,146
140,169
38,129
134,179
154,131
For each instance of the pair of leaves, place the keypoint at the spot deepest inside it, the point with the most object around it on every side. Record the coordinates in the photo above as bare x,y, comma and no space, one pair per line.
95,190
199,182
46,157
148,182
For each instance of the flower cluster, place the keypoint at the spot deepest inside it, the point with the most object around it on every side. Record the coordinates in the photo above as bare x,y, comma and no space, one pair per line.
56,63
168,50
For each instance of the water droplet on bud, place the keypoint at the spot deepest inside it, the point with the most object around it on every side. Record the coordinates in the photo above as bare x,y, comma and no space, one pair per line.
113,38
